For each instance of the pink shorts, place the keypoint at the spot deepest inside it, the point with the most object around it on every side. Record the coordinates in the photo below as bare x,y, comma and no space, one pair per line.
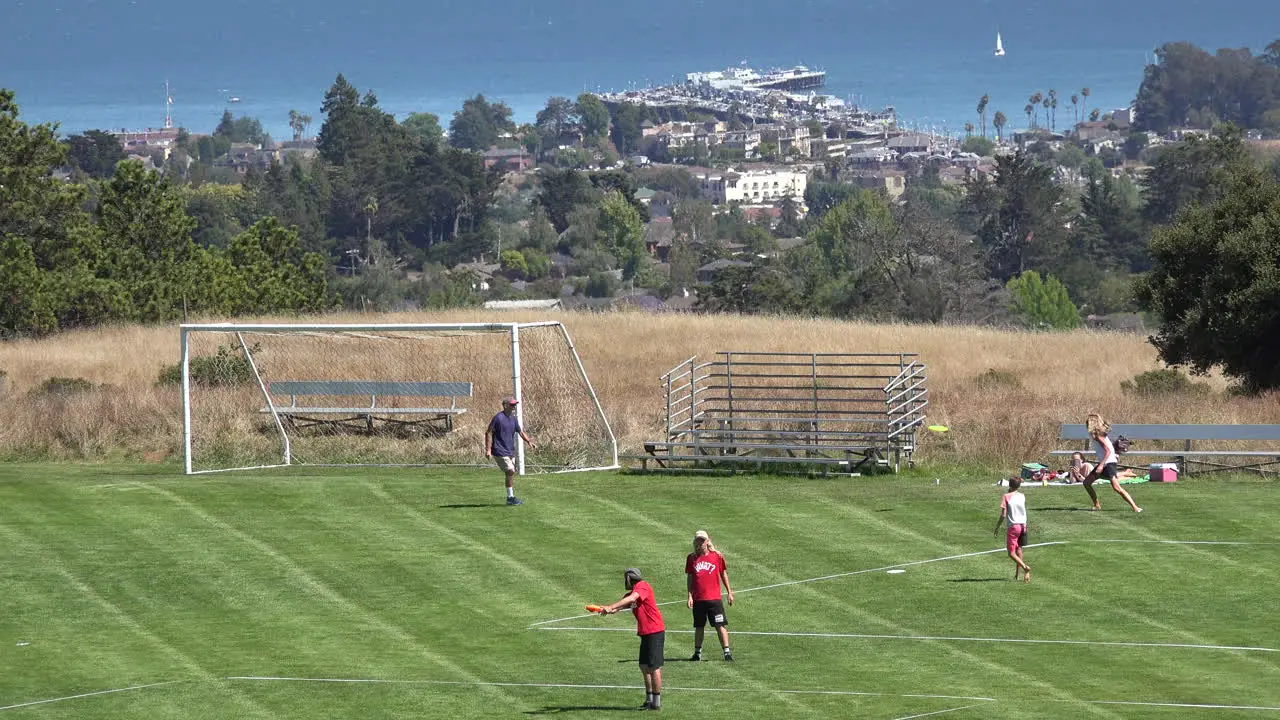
1016,537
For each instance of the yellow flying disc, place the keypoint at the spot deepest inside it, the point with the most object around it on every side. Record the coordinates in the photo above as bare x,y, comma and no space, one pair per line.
939,428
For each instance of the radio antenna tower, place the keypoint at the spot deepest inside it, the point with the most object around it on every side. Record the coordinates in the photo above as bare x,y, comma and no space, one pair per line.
168,107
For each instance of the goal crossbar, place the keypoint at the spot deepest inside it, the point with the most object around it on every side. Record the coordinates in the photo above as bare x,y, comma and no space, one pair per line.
280,419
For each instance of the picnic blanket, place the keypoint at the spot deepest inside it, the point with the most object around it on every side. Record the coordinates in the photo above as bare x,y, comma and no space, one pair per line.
1003,482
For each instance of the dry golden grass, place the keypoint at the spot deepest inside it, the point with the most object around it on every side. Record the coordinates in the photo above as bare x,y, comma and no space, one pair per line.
1058,378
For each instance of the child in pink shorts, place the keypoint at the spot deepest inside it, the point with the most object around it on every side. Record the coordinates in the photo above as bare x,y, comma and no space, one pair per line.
1013,508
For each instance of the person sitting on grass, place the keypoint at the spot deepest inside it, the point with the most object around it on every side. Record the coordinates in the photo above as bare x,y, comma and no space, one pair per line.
1013,508
1079,469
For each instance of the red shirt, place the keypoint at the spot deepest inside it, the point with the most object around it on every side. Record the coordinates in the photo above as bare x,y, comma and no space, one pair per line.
648,617
705,570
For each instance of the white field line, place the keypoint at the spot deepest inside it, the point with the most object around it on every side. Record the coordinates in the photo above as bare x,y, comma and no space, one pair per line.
944,638
577,686
925,562
937,712
1203,706
824,577
1178,542
88,694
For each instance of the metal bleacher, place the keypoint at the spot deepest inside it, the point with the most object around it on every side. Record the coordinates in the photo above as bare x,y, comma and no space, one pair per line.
834,412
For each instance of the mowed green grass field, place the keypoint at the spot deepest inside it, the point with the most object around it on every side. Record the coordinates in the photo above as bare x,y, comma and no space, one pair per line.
450,604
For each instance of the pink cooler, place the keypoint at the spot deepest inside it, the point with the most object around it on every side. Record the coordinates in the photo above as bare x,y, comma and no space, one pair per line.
1164,472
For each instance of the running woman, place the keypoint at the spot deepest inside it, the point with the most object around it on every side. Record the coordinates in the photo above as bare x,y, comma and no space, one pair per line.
1108,462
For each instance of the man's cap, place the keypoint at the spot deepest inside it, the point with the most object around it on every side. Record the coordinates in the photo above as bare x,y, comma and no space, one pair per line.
632,574
701,535
511,401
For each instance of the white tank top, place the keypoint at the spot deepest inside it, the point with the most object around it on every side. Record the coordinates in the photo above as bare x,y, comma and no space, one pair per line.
1015,505
1106,451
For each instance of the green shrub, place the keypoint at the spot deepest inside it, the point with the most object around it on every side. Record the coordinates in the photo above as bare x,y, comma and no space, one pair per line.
223,368
1163,382
63,386
994,379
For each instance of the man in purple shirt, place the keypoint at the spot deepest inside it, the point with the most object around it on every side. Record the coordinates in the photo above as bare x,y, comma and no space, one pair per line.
500,443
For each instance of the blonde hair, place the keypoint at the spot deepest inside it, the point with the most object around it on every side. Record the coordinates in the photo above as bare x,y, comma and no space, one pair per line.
706,541
1096,425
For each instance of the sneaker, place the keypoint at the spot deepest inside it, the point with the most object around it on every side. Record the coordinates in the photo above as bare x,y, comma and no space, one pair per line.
728,657
645,706
697,657
514,501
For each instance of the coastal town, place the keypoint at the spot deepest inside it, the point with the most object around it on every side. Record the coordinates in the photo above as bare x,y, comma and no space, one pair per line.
752,144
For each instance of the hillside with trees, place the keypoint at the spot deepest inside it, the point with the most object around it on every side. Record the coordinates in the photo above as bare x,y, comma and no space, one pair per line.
378,213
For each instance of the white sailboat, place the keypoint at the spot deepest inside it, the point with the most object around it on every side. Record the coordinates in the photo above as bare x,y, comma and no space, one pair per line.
999,45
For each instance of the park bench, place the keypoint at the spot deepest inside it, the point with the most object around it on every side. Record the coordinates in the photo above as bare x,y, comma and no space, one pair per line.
1185,436
338,415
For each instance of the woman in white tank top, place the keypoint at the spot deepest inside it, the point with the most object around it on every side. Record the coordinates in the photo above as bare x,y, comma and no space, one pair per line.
1108,462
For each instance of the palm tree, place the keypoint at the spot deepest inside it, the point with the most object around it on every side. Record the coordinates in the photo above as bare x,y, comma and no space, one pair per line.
1085,93
1051,108
1035,107
295,123
1075,111
968,129
982,113
998,121
1030,108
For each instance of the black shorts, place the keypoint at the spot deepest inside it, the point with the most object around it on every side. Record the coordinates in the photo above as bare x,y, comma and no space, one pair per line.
1022,537
651,650
713,610
1108,471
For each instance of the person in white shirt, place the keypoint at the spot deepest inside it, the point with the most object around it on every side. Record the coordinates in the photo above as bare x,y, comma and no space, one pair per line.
1108,462
1013,508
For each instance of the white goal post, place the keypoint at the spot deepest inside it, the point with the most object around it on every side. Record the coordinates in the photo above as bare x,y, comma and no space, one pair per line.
258,396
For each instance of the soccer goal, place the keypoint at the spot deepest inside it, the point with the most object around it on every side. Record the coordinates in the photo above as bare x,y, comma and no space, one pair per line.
263,396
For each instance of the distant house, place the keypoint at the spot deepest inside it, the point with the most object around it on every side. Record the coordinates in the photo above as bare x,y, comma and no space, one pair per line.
708,272
305,149
508,159
1093,130
911,143
873,157
659,235
892,182
645,195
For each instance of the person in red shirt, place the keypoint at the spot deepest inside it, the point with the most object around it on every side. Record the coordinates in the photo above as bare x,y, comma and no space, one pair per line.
649,627
706,569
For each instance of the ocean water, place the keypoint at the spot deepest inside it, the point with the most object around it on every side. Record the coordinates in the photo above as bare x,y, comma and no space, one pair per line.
104,63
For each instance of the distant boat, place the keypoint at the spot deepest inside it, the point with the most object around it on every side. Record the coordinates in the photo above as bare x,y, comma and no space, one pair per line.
236,99
999,45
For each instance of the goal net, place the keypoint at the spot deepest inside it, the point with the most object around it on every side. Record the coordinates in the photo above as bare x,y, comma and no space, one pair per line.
259,396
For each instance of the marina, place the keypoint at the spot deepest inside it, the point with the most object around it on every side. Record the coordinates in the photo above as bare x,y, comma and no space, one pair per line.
754,96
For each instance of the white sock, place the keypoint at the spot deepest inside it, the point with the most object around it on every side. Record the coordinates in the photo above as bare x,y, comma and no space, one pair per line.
511,492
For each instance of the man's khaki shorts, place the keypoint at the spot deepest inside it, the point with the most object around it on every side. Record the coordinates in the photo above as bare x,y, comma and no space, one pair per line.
507,464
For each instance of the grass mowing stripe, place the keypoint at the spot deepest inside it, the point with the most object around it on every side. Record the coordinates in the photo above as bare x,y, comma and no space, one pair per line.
89,694
586,686
838,600
945,638
379,491
315,585
1202,706
51,560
